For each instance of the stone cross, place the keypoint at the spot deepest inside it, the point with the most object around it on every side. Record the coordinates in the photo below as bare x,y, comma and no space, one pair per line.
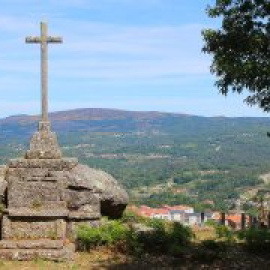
44,39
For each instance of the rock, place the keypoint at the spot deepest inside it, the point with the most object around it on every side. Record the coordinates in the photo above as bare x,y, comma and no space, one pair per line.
3,182
113,197
3,187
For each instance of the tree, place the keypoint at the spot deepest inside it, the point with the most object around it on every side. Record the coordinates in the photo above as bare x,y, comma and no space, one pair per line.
241,48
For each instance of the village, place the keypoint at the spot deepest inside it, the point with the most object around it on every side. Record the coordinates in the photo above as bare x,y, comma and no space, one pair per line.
187,216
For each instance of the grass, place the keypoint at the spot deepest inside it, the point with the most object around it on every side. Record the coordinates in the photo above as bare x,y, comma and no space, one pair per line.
172,247
106,258
100,258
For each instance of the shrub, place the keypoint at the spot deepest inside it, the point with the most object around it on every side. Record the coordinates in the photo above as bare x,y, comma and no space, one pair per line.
88,237
177,250
131,217
133,245
164,237
256,240
113,232
179,234
108,234
213,245
155,240
226,233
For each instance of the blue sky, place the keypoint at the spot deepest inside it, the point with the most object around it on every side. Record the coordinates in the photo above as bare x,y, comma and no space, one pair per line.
125,54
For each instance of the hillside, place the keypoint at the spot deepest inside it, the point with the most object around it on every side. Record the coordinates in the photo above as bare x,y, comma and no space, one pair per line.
159,157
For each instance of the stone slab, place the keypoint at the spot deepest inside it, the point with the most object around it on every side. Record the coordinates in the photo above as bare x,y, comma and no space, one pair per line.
80,215
32,244
65,254
26,212
33,228
53,164
32,194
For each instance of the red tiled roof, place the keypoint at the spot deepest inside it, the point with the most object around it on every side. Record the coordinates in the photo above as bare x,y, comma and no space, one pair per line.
148,211
234,218
160,211
179,207
145,210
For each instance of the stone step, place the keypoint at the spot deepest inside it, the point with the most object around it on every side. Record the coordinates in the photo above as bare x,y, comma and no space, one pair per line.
32,244
26,212
84,215
65,254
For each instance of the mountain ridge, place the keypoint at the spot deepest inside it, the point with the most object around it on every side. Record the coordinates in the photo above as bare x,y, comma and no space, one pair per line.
109,113
92,114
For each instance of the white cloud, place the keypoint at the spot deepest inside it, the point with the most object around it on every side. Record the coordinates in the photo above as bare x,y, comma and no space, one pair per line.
107,51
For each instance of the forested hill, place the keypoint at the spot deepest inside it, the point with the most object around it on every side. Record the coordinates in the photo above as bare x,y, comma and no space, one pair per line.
211,158
112,120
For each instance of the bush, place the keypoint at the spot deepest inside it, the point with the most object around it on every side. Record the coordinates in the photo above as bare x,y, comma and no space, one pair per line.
154,240
225,232
108,234
179,234
131,217
113,232
256,240
213,245
88,237
133,245
164,237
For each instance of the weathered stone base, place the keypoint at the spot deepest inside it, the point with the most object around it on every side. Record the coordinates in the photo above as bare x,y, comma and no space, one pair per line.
44,144
46,199
32,244
32,250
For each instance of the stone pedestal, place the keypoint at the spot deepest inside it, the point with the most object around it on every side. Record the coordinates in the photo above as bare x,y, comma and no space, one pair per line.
47,197
41,202
44,144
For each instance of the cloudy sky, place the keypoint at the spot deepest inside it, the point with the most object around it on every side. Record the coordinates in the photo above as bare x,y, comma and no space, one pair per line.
125,54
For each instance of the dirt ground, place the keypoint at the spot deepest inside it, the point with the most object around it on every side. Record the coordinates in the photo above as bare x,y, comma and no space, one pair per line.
106,259
194,258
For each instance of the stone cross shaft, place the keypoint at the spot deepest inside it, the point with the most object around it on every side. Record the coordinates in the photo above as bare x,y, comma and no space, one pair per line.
44,39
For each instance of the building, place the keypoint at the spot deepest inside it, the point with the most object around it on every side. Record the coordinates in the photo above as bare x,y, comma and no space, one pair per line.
177,215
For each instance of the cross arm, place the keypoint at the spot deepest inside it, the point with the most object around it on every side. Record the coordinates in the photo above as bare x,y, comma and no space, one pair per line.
33,39
54,39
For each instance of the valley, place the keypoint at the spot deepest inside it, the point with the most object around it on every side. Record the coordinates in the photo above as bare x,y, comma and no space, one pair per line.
159,157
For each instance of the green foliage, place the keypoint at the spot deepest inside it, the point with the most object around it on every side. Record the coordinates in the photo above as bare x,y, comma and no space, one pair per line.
210,250
256,240
185,177
225,233
179,234
156,240
240,48
166,237
130,217
109,233
210,244
2,208
210,223
206,157
163,237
